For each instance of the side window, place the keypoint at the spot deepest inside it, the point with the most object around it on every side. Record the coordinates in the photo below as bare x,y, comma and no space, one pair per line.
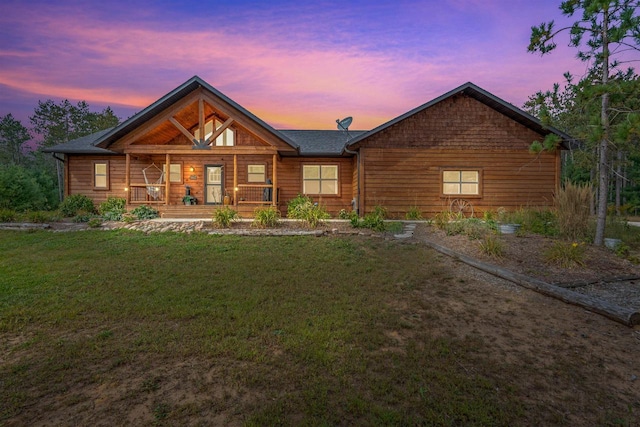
101,175
320,179
461,182
256,173
175,172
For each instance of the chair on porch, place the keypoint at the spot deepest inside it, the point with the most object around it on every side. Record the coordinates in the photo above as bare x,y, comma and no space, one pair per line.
152,188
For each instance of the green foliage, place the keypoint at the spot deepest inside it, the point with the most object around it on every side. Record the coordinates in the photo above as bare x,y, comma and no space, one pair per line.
38,217
224,216
373,220
302,207
345,214
13,135
566,254
94,222
7,215
536,221
413,213
75,203
266,217
19,189
59,123
83,216
492,246
144,212
113,208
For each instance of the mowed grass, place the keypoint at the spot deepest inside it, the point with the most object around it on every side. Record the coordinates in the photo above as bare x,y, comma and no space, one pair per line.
307,330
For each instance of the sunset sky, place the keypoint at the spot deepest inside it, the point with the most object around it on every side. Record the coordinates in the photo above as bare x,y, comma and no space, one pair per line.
295,64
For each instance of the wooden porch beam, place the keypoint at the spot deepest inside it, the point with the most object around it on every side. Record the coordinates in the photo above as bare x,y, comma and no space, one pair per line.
167,178
274,190
127,177
187,149
235,180
201,120
184,131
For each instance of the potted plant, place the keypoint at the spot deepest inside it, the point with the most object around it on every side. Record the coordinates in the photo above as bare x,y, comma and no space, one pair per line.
189,200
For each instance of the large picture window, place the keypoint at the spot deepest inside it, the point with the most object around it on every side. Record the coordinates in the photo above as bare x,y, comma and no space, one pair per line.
101,175
320,179
461,182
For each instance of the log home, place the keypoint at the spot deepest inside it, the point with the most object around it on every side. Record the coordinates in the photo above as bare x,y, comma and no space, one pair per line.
466,148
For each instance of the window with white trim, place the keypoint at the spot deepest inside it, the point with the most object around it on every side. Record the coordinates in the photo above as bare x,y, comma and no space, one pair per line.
101,175
320,179
256,173
460,182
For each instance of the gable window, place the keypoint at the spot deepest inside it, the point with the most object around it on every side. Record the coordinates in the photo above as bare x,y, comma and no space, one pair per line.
320,179
461,182
225,139
175,172
256,173
101,175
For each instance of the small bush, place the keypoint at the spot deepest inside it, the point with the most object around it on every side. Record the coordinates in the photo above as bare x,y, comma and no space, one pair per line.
83,216
373,220
573,210
223,217
543,222
442,219
302,207
413,213
144,212
266,217
38,217
380,211
94,222
113,208
492,246
566,254
345,214
75,203
7,215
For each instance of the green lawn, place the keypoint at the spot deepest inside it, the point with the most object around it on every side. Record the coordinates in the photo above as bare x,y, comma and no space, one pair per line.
255,331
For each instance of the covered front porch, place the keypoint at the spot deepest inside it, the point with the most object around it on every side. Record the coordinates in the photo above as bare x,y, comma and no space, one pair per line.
183,181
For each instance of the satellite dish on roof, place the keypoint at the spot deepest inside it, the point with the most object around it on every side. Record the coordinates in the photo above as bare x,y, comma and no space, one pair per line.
344,123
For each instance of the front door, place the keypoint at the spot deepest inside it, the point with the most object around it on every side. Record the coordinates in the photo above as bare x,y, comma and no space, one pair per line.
213,184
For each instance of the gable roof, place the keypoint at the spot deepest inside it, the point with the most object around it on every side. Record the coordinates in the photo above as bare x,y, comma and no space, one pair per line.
106,138
478,94
83,145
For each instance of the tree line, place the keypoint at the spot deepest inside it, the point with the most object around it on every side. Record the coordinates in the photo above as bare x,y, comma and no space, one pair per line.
30,179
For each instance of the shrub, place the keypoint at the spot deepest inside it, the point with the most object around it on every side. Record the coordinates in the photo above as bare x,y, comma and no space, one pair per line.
94,222
345,214
413,213
20,190
113,208
144,212
266,217
38,217
302,207
373,220
75,203
492,246
543,222
7,215
566,254
83,217
573,211
442,219
223,217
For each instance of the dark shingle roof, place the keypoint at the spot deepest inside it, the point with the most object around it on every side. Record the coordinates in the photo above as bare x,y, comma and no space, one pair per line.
321,142
83,145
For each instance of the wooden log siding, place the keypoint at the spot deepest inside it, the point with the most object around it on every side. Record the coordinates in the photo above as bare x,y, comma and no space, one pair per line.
290,182
401,165
80,177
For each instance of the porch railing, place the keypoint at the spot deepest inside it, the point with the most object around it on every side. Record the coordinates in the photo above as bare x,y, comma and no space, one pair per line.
255,194
143,193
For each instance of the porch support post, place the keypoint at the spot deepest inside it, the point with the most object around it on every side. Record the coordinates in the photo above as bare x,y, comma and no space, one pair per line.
167,178
274,190
235,180
127,177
